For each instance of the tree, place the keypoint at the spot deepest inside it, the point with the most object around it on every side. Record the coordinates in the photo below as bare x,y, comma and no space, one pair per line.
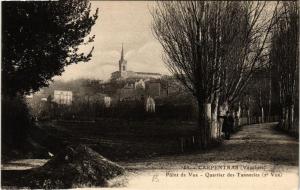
250,49
212,48
258,91
190,34
39,39
284,58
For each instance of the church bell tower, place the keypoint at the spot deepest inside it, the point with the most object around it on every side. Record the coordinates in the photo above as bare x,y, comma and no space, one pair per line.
122,63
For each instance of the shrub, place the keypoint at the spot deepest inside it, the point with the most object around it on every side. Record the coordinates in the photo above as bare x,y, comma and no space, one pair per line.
15,122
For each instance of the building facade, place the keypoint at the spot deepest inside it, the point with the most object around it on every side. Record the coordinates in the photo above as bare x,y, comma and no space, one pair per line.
63,97
123,73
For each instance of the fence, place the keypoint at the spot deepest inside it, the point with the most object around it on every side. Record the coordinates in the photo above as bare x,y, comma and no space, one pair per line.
255,120
187,143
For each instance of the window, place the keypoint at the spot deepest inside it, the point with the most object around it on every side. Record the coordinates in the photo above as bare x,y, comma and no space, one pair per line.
123,67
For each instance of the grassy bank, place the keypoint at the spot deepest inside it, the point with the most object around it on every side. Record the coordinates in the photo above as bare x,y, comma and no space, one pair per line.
117,139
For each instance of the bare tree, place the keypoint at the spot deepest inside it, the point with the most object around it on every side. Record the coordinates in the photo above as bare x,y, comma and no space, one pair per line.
250,50
191,36
284,59
212,48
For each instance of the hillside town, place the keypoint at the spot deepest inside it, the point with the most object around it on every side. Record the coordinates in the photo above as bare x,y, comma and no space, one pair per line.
123,86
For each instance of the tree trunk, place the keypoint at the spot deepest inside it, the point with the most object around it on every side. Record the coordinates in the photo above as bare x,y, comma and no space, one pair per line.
204,117
262,115
286,118
215,133
208,118
270,92
291,117
238,115
248,116
223,109
283,118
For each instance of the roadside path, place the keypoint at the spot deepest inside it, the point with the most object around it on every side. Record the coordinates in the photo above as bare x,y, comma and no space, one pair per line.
257,157
258,143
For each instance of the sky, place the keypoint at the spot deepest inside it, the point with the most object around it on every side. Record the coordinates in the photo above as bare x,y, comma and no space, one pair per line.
120,22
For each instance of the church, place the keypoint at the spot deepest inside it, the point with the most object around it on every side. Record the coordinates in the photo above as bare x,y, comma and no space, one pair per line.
123,73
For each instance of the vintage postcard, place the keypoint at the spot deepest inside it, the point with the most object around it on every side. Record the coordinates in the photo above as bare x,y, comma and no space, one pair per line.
150,95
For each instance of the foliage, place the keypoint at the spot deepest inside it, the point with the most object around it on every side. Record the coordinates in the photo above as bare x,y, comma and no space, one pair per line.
16,123
39,39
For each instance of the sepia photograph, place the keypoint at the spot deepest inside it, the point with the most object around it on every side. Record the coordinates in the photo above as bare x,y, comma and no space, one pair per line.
150,95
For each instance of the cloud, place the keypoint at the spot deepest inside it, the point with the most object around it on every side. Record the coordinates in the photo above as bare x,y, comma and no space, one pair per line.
106,58
87,70
129,25
147,58
100,67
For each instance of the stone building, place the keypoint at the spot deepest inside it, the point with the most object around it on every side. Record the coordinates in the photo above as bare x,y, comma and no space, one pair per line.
123,73
63,97
154,88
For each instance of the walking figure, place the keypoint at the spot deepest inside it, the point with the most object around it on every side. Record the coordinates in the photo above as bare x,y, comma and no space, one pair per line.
227,126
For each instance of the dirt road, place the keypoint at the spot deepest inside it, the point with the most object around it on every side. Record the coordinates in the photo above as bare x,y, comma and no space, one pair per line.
258,143
257,157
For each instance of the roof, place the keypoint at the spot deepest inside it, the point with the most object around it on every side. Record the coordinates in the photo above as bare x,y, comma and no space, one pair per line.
147,73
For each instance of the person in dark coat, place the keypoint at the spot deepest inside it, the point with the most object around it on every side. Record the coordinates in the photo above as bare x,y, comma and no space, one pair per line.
227,126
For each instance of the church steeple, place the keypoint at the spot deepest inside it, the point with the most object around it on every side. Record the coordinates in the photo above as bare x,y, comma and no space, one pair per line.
122,53
122,62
